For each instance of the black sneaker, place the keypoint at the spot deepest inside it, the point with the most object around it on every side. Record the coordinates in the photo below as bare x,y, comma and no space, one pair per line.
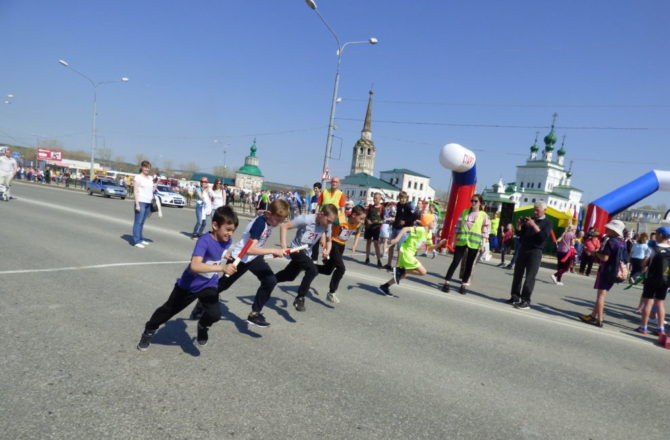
299,303
398,272
445,287
388,267
379,264
461,290
202,337
513,301
145,340
257,319
384,288
197,312
523,305
367,260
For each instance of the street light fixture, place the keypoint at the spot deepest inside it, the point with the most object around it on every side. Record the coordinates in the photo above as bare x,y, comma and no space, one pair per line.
335,100
94,143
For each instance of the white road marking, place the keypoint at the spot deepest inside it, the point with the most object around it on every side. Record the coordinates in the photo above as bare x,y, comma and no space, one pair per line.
95,266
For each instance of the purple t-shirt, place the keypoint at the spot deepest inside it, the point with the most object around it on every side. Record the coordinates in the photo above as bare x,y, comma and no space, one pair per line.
211,252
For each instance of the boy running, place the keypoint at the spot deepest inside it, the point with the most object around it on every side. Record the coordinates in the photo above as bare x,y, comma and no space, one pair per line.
311,228
258,231
407,261
342,230
199,280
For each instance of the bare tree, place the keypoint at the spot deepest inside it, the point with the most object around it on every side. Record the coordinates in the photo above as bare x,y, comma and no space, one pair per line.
189,167
139,157
223,172
120,159
50,144
104,154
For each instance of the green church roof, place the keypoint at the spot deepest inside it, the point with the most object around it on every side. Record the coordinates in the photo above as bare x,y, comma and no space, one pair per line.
252,170
368,181
405,171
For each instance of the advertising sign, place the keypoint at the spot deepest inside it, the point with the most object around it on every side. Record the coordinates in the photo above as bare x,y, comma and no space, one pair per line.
52,155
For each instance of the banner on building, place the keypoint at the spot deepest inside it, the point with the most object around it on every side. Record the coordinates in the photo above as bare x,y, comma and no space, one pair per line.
51,155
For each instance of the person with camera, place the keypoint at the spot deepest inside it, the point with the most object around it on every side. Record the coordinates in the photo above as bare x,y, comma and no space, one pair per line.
533,234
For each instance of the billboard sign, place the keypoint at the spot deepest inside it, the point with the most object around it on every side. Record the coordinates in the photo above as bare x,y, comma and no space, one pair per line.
50,155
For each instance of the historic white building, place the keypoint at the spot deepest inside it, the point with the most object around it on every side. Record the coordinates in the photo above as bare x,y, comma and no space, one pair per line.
361,184
249,177
417,186
541,179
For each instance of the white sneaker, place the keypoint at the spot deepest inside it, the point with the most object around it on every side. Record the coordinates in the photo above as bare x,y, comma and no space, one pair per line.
332,298
655,322
554,279
560,283
144,242
139,245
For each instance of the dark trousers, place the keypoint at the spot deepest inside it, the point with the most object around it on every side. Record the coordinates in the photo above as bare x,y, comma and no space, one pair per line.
260,268
334,263
563,266
586,263
299,262
470,257
180,299
315,251
528,262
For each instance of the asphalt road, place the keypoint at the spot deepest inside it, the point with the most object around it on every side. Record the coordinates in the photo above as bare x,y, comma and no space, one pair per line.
74,296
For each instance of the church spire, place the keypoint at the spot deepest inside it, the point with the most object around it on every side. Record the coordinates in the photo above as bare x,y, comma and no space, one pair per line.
366,133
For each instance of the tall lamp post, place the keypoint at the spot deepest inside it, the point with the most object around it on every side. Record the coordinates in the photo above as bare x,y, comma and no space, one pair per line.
335,100
94,143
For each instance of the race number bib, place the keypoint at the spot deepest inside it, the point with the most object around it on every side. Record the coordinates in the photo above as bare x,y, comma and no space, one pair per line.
345,234
310,238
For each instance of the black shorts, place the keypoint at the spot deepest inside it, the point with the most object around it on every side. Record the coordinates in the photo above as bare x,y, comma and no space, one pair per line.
372,232
654,291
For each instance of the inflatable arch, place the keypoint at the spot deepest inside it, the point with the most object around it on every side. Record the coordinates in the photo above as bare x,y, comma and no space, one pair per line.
464,179
601,211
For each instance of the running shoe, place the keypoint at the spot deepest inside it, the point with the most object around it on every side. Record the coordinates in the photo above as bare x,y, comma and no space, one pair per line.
642,330
384,288
398,272
202,337
332,298
145,340
299,303
523,305
257,319
554,279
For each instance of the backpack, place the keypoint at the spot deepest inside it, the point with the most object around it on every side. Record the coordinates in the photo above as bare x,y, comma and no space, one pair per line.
659,267
618,269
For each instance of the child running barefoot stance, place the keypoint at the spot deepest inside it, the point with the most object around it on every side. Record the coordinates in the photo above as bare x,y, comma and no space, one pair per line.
407,261
199,280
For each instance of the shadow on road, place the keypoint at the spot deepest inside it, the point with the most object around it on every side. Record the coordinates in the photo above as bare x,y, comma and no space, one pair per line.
240,323
174,333
277,304
368,288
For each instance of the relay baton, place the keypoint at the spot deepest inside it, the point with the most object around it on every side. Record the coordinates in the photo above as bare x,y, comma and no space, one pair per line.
242,254
302,247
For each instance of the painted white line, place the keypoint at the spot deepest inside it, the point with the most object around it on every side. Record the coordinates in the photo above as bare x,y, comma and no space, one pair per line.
95,266
124,222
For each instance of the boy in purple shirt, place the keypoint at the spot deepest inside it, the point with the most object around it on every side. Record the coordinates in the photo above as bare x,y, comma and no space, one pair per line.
199,280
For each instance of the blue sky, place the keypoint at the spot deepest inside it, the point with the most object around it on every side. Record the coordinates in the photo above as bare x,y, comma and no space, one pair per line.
208,70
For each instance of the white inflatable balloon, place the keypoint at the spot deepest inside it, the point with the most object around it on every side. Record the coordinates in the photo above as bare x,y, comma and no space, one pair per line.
457,158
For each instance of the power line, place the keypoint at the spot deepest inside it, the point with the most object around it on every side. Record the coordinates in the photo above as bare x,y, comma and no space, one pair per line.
463,104
482,125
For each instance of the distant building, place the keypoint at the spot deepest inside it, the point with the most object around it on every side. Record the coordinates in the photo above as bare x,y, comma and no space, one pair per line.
361,183
540,179
642,215
250,177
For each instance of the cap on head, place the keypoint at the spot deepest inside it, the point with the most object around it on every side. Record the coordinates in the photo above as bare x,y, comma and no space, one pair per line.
664,231
616,226
427,219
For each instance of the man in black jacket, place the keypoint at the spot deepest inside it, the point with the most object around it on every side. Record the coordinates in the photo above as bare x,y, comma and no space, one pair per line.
533,233
404,216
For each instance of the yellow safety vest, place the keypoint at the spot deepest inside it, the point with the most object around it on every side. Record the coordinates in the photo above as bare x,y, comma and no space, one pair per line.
495,222
332,199
472,237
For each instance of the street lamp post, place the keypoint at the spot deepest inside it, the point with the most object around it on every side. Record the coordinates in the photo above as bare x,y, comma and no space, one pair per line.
95,85
335,100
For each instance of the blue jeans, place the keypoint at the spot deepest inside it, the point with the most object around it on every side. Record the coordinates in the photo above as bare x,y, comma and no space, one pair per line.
138,224
200,220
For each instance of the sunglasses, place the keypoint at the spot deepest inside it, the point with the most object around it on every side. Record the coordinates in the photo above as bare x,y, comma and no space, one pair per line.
474,201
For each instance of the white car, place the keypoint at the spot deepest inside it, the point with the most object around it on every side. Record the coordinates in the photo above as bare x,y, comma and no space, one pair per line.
169,196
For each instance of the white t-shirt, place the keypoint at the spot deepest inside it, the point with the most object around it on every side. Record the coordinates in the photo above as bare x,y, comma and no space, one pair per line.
8,165
144,191
218,198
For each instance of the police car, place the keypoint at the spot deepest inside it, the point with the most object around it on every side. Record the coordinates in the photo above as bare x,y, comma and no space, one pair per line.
169,196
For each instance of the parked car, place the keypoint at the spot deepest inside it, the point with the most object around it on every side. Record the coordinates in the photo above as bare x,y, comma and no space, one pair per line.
168,196
106,187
